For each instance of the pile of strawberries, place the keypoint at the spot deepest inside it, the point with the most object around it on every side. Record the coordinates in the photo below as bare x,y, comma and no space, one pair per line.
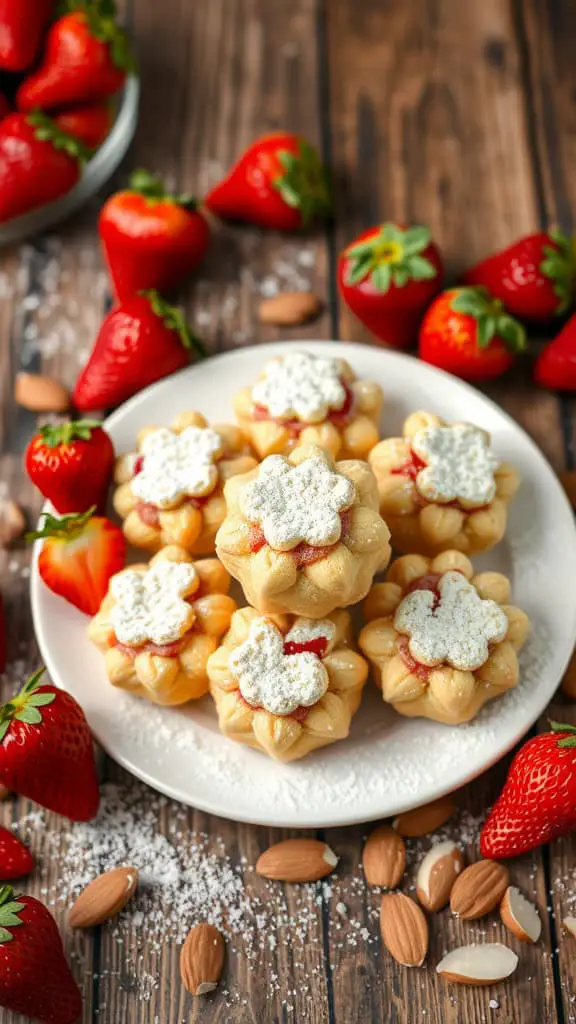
57,78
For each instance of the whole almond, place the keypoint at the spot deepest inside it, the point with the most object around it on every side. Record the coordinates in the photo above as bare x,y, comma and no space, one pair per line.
12,522
437,874
569,679
37,393
404,929
297,860
202,959
384,857
479,889
423,820
103,898
289,308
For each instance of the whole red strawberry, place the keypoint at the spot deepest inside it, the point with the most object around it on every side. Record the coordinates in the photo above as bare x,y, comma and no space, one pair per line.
71,464
468,333
534,277
46,751
90,122
538,802
16,861
23,23
139,342
35,979
388,276
86,58
38,163
278,182
79,556
556,365
151,238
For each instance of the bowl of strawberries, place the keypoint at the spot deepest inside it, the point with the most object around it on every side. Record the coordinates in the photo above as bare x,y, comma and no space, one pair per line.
68,108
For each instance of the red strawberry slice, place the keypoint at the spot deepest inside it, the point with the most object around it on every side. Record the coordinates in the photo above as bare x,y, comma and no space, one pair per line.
16,861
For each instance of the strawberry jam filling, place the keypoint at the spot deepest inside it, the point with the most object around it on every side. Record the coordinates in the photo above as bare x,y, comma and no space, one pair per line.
339,417
428,582
412,467
150,513
316,646
161,650
303,554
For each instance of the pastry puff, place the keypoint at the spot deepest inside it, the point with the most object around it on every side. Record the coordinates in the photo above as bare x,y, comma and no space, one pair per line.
428,527
162,675
442,692
348,436
289,581
289,737
188,524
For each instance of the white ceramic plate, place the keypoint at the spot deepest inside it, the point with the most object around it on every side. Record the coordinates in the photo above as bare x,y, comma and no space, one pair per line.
388,763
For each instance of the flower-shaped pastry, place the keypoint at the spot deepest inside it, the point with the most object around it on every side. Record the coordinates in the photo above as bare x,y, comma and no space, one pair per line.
170,490
159,623
441,487
286,685
442,640
310,400
303,534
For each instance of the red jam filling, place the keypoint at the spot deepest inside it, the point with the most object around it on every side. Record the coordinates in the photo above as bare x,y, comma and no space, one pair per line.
150,513
316,646
412,467
429,581
161,650
303,554
339,417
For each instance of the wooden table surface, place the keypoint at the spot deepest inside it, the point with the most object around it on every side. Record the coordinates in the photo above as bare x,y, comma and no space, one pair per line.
456,114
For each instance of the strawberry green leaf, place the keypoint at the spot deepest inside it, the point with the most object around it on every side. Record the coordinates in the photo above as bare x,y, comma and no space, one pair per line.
40,700
390,254
390,232
24,704
420,269
152,188
562,727
400,276
29,715
472,301
101,18
64,527
6,936
173,318
492,321
358,270
559,266
46,130
511,332
304,183
64,433
381,277
416,239
10,908
486,328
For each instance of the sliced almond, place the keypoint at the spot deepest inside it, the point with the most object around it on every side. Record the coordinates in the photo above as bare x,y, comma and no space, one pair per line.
568,481
478,964
384,857
12,523
520,916
423,820
202,959
288,308
437,874
37,393
569,678
103,898
569,923
479,889
404,929
297,860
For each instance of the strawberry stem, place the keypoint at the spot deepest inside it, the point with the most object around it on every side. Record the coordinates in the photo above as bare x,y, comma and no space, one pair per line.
564,727
47,131
66,527
64,433
173,318
303,183
10,907
492,319
101,19
151,186
559,267
23,706
391,255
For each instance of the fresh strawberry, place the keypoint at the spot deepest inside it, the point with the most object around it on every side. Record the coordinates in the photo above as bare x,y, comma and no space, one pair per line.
71,465
4,106
151,238
556,365
38,163
35,979
538,802
467,332
86,58
90,123
278,182
16,861
46,751
388,276
79,556
139,342
23,23
534,277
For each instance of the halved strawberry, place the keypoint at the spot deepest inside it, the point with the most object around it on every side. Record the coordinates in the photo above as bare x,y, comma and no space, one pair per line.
79,556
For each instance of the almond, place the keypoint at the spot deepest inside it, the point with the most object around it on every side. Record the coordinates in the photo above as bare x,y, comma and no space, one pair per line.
40,394
297,860
568,481
520,916
437,874
384,857
479,889
478,964
103,898
289,308
404,929
423,820
569,923
12,523
202,959
569,679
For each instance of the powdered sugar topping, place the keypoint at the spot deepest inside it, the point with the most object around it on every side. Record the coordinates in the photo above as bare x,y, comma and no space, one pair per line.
295,504
456,626
300,386
176,466
460,464
150,606
273,680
